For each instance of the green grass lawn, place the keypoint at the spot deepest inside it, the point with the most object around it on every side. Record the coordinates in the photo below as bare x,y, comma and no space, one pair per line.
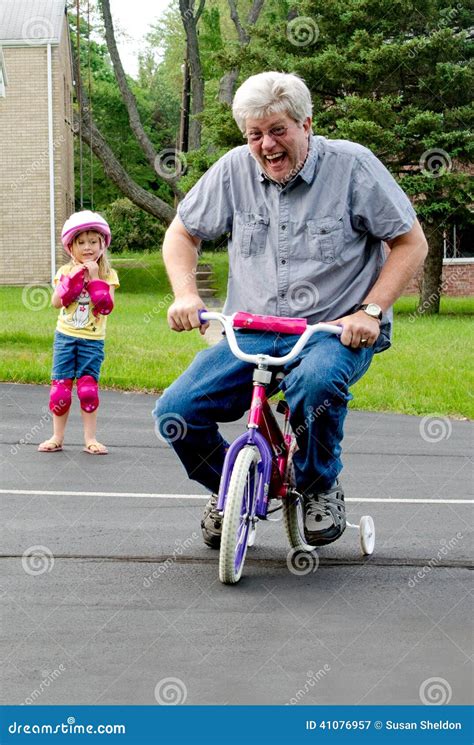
427,371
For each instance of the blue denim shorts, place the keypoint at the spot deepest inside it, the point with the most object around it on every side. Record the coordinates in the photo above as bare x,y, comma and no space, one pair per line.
74,357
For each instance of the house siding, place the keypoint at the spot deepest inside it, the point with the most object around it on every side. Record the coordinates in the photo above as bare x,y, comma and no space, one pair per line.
25,254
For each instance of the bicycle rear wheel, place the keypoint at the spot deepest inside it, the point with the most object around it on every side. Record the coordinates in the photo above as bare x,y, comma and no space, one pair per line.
239,513
293,515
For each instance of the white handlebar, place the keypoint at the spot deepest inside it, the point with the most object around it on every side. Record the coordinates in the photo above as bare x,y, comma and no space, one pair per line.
266,359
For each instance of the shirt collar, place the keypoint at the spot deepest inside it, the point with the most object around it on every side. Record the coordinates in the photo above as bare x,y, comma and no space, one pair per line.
308,171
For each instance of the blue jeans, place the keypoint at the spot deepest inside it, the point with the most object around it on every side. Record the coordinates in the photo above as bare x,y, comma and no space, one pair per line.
217,387
74,357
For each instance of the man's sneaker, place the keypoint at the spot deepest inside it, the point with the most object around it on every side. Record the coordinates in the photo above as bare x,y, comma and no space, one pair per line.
211,523
324,516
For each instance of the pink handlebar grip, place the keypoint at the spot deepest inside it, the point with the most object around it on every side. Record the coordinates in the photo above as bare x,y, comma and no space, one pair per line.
69,288
99,292
278,324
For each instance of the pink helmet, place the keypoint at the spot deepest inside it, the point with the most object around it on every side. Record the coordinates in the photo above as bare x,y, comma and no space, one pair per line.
84,220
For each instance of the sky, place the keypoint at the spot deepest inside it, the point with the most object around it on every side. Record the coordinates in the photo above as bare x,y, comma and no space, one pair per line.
134,17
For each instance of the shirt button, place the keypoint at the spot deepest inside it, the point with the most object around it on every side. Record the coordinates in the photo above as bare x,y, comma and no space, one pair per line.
283,227
283,261
282,294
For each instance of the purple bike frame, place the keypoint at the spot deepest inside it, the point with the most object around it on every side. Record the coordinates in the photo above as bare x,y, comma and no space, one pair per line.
260,416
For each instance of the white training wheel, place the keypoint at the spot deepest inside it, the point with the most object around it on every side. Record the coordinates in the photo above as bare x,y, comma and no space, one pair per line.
252,533
366,535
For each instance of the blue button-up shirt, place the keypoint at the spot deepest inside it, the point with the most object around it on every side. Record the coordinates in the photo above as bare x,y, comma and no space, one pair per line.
311,248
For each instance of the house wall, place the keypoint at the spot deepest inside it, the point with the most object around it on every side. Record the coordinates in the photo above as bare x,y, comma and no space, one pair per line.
457,280
25,255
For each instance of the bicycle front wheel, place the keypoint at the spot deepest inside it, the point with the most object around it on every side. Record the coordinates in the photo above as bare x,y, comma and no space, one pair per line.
239,514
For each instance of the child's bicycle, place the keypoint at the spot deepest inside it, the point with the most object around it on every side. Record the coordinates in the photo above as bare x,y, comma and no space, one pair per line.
258,465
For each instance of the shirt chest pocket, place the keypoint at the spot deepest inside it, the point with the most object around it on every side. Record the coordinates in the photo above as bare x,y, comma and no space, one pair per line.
250,233
325,237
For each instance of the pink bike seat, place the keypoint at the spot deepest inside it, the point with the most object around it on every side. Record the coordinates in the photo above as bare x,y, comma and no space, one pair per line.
279,324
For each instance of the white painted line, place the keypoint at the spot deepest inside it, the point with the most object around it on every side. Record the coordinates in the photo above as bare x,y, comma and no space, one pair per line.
149,495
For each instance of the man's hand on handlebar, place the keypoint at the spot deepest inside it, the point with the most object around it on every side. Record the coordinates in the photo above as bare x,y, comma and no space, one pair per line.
183,313
359,330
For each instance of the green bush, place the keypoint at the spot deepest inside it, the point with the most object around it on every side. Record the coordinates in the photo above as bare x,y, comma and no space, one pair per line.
132,228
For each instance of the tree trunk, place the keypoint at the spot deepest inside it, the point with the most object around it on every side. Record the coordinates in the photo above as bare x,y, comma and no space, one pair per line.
89,133
116,173
228,81
197,80
431,284
130,101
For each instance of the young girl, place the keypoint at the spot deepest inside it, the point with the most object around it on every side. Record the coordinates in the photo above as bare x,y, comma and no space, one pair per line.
84,291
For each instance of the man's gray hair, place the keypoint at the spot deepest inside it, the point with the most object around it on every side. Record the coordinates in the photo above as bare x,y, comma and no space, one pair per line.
271,93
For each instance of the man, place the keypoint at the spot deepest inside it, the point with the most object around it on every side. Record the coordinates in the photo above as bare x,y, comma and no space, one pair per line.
307,217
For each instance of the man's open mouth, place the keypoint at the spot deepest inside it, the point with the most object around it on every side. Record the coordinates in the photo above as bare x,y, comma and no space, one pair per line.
275,158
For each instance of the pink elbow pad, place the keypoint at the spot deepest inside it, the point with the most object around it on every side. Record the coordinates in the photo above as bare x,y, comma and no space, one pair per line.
99,292
69,288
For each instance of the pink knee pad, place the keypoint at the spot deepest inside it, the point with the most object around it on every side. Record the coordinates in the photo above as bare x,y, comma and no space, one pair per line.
60,396
88,393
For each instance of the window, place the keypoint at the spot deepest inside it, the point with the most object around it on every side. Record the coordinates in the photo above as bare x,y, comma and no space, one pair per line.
459,242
